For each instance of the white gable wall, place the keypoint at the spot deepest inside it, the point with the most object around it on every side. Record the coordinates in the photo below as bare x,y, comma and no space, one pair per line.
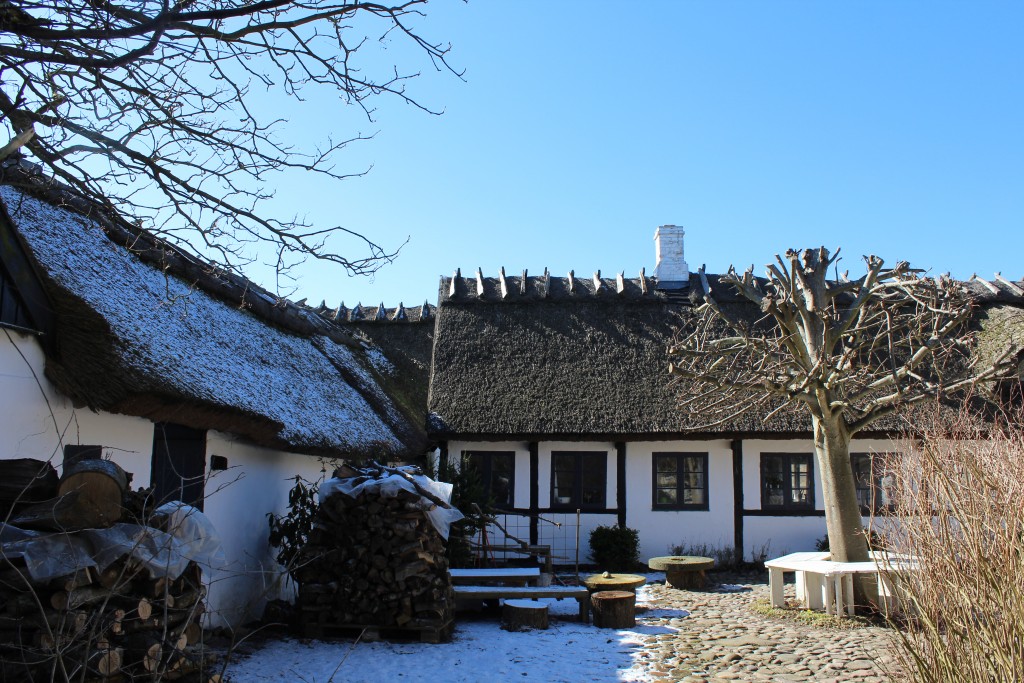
237,500
30,430
659,530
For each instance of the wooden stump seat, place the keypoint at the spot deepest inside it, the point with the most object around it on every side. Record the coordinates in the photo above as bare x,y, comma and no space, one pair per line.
683,571
520,614
614,609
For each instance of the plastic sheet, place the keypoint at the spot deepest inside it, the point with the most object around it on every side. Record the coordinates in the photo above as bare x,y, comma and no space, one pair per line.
388,487
46,555
51,555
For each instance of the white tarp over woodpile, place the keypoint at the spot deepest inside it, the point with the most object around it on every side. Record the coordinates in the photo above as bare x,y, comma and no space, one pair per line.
50,555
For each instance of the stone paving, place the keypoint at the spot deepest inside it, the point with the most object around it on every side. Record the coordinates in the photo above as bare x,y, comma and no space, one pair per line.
715,635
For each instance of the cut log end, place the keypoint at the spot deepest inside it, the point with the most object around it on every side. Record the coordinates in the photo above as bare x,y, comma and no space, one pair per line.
517,615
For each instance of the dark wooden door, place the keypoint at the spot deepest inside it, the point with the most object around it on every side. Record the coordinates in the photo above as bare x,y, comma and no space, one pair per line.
179,464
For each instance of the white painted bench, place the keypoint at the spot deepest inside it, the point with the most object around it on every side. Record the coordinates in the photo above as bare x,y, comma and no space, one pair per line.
822,583
580,593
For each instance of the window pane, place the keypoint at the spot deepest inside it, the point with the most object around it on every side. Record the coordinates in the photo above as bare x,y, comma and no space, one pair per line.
772,477
666,496
665,463
502,467
693,496
564,481
666,480
563,462
593,487
693,463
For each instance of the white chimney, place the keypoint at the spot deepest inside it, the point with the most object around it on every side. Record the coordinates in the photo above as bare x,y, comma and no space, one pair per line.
671,270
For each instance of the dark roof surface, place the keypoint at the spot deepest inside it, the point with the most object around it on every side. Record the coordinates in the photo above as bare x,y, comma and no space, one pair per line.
173,345
585,358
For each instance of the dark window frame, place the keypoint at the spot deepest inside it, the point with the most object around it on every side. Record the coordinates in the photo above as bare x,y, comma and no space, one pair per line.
788,459
484,465
679,457
875,488
576,499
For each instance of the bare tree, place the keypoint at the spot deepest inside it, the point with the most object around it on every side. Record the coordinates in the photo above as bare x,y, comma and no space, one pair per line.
147,106
849,352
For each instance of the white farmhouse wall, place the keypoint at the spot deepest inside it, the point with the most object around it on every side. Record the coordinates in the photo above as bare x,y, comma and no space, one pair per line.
659,530
37,422
237,501
777,535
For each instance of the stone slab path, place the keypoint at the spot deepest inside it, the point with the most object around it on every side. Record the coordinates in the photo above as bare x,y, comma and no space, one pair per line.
715,635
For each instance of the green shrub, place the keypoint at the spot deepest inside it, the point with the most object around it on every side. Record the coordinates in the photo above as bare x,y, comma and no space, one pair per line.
615,548
289,532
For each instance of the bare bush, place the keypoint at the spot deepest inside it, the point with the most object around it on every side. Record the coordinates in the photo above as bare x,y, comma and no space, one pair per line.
958,510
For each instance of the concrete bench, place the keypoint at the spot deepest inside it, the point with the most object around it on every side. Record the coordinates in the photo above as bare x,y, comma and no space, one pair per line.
822,583
580,593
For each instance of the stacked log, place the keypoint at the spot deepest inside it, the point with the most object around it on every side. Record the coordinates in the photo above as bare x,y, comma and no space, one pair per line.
375,561
118,621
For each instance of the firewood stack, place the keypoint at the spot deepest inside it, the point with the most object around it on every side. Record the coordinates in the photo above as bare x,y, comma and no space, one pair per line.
120,622
374,561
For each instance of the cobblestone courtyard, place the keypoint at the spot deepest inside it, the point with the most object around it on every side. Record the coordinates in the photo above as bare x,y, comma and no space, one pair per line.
717,635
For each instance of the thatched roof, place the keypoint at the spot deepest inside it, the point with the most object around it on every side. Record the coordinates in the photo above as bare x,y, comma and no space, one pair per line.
583,358
184,343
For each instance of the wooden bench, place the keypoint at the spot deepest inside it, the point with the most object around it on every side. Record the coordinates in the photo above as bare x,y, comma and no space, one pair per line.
512,576
580,593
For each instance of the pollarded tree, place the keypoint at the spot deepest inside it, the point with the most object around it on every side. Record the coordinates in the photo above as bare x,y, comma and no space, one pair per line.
150,107
849,352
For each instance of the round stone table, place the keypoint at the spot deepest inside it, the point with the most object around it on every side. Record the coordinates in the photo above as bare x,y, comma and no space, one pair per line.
614,582
683,571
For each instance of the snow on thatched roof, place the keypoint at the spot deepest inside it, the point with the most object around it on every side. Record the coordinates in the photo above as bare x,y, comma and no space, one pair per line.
586,357
137,339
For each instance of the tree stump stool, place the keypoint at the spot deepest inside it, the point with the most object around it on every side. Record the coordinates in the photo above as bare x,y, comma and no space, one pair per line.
521,614
614,609
683,571
614,582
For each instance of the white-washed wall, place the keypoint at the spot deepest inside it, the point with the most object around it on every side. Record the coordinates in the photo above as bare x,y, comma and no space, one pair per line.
777,535
659,530
237,501
37,423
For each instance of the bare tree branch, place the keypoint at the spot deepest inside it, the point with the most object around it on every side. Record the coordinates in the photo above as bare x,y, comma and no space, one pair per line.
149,104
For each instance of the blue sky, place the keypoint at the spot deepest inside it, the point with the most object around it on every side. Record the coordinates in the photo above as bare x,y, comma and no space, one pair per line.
887,128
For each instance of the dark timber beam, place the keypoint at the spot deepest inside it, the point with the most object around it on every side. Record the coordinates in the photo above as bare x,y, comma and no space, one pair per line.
620,481
737,494
534,493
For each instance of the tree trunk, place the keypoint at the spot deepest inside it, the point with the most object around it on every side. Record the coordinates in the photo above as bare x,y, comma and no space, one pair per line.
847,538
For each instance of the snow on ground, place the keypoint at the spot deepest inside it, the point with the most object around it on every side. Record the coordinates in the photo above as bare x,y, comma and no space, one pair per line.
567,652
